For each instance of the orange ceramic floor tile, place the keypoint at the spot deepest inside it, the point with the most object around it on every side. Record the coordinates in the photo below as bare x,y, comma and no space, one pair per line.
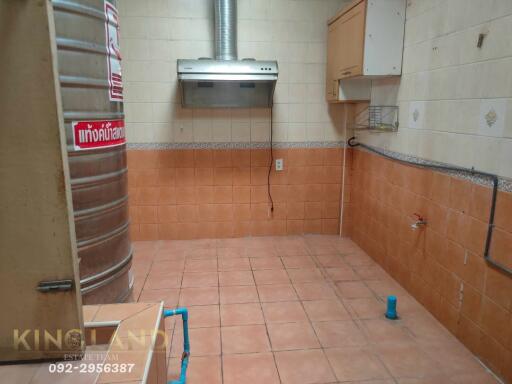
201,369
334,260
276,292
234,264
161,267
339,333
272,276
325,310
200,279
203,341
244,339
298,262
354,290
305,275
170,280
230,278
238,294
284,312
304,366
170,297
199,296
315,291
356,364
202,316
342,274
200,265
292,336
258,263
241,314
366,308
383,331
250,368
407,360
295,309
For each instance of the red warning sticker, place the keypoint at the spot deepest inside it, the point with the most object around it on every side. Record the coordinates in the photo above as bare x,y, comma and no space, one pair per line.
98,134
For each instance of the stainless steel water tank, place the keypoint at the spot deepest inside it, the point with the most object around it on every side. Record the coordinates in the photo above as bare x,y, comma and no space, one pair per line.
93,107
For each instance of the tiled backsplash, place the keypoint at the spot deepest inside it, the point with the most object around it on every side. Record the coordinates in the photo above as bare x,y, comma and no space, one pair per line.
449,85
156,33
211,193
441,264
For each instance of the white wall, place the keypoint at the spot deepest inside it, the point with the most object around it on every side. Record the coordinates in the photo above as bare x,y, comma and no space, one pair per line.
155,33
453,85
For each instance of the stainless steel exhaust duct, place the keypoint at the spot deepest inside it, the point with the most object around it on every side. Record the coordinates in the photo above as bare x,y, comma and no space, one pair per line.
226,81
225,30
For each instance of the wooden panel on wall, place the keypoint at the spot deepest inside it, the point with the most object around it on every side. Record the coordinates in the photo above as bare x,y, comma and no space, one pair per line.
37,236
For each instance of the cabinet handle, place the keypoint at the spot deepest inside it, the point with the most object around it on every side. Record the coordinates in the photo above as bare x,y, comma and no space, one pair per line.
346,73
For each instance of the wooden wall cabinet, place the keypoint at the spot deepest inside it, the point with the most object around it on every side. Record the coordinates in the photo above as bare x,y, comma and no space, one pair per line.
365,39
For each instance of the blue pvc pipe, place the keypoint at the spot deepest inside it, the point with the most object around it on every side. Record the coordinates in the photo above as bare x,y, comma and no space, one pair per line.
186,343
391,308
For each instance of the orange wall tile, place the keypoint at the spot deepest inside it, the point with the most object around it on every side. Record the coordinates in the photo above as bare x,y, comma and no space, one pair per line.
442,265
200,193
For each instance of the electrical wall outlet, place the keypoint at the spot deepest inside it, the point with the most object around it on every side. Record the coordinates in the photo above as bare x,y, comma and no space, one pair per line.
279,164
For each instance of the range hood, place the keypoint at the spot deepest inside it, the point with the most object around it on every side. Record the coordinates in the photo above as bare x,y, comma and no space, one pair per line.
226,81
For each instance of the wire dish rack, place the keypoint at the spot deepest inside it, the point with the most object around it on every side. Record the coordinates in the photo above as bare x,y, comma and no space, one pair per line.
377,118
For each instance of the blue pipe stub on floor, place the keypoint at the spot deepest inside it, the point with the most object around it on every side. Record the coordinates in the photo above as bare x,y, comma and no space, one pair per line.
391,308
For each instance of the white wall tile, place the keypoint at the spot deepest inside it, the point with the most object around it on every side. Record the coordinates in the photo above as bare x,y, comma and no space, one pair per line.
158,28
162,92
315,131
190,9
297,93
137,92
240,131
416,114
492,117
138,112
505,158
136,28
139,132
296,113
161,71
454,84
155,33
296,132
260,131
162,113
221,131
159,50
202,131
162,133
183,131
280,132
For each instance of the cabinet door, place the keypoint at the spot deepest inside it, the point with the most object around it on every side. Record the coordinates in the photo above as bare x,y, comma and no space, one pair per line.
348,32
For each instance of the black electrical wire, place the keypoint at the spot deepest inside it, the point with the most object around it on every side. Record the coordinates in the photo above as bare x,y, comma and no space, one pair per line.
271,161
495,183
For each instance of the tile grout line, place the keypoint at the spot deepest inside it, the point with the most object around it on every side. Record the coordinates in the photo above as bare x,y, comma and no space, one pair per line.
340,299
354,320
310,322
325,279
266,324
221,357
174,330
331,282
357,321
